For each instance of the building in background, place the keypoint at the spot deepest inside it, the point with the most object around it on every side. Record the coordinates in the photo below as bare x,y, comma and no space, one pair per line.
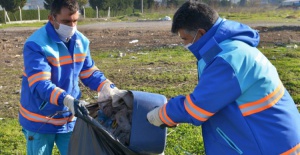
34,4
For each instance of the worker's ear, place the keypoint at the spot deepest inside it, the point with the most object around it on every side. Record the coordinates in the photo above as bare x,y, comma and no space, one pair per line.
201,31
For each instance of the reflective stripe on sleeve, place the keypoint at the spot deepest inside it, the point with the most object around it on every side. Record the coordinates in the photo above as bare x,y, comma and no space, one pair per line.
164,117
38,77
55,94
195,111
101,85
87,73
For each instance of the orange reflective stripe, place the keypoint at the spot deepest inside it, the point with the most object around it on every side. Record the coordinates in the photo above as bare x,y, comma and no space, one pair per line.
43,119
54,95
164,116
264,103
79,57
88,73
60,61
38,77
195,111
64,60
293,151
101,85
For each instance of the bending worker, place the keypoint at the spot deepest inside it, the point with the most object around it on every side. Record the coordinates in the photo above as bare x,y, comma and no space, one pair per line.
239,100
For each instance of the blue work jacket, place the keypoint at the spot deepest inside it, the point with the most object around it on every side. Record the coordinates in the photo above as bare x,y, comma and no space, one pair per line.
52,70
239,100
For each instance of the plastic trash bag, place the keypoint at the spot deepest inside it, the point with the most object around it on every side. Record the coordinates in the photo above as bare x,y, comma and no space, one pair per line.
91,138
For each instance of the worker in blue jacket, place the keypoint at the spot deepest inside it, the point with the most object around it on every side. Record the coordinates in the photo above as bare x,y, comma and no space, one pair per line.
56,56
239,100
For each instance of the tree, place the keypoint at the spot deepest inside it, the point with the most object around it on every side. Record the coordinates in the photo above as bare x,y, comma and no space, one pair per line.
101,4
146,4
120,5
12,5
243,2
82,3
47,4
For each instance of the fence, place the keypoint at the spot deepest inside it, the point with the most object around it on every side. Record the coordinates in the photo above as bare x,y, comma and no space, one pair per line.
29,15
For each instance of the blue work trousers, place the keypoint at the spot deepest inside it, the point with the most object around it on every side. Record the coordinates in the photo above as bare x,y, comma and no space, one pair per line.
42,144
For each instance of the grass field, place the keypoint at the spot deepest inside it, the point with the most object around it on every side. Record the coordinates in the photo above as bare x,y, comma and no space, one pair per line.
163,71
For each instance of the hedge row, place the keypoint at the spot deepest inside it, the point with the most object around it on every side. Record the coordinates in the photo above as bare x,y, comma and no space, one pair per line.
33,14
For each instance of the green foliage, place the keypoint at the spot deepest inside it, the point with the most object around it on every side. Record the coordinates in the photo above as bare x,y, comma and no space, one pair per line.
26,15
12,5
82,3
12,139
146,4
100,4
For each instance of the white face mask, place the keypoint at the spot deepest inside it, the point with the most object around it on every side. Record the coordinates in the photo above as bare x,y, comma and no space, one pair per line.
187,46
65,32
190,44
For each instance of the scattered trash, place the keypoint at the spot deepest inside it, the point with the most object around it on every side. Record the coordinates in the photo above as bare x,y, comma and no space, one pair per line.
292,46
142,53
273,58
133,41
295,46
166,18
122,54
117,119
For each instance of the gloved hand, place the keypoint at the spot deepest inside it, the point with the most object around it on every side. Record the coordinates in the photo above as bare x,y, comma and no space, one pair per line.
154,119
76,107
111,94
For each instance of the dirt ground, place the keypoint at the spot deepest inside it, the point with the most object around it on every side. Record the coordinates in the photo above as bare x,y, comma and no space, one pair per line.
110,36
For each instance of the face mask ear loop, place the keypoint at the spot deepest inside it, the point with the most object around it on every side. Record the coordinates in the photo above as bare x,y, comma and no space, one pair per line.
54,19
195,37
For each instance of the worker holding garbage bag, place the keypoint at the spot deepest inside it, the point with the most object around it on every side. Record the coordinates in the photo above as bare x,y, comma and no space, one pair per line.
240,101
56,57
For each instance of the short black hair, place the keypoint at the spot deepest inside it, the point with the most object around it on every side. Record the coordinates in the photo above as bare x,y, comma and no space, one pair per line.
57,5
193,15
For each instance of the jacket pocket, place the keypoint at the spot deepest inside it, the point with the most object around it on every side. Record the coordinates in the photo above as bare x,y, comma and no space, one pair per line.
42,106
229,141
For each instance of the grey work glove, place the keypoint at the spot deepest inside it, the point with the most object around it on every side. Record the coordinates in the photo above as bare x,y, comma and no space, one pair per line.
109,93
154,119
76,107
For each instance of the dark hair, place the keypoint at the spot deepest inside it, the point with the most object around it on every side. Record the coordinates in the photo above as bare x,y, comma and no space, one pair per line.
57,5
193,15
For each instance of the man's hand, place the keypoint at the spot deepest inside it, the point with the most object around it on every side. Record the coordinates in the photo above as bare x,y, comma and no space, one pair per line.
111,94
76,107
153,117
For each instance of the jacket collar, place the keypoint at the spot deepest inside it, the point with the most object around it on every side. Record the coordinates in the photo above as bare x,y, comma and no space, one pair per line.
198,47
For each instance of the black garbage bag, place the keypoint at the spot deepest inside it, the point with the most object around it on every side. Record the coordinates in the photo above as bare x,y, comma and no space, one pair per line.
91,138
